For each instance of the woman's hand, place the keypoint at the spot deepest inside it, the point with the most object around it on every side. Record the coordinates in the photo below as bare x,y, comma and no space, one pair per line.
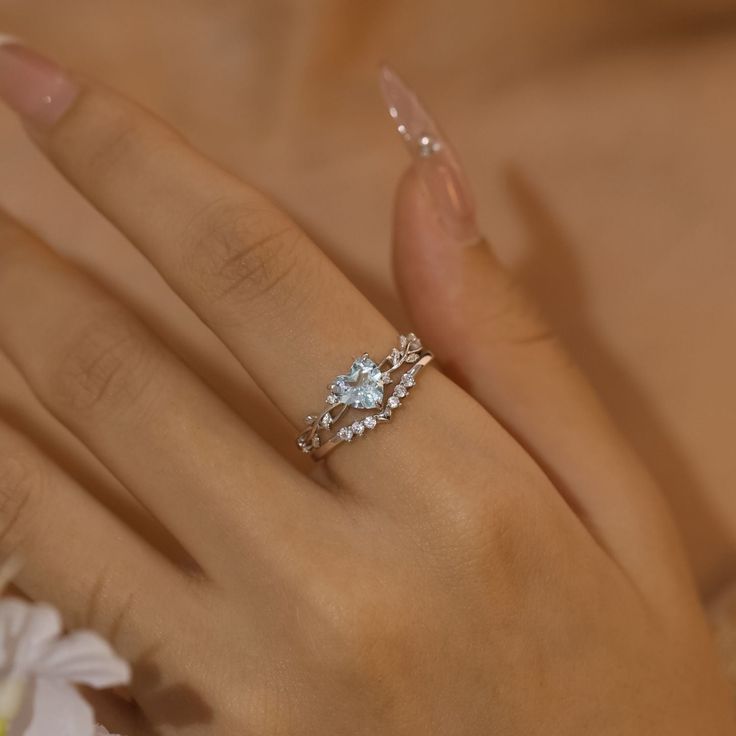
502,567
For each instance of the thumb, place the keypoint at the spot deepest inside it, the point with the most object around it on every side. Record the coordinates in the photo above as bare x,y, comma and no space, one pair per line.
490,338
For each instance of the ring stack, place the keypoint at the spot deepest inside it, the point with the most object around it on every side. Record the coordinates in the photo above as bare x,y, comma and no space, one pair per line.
375,389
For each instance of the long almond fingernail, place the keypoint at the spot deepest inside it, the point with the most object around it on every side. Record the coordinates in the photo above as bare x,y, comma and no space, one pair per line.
435,161
34,87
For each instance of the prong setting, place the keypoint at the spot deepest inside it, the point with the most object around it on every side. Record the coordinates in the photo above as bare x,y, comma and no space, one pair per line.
363,388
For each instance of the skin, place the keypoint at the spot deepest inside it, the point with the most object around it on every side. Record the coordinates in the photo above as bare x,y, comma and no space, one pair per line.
598,138
474,567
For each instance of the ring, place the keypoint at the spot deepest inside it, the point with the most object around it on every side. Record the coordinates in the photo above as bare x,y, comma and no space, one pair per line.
364,388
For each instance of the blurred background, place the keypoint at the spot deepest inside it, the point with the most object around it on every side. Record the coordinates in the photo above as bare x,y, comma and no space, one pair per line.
598,134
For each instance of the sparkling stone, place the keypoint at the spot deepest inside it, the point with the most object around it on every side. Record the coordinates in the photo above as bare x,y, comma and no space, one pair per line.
403,341
408,379
362,388
369,422
309,419
393,402
428,145
386,377
412,358
414,342
345,433
400,391
331,399
395,357
326,420
357,428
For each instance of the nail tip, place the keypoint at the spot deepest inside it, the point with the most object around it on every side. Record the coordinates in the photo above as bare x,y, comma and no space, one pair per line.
444,177
8,40
386,83
386,72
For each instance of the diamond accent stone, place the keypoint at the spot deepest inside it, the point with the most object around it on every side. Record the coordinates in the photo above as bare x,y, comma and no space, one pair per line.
362,388
326,420
408,379
357,428
395,357
370,422
400,391
412,358
345,433
331,399
393,402
386,377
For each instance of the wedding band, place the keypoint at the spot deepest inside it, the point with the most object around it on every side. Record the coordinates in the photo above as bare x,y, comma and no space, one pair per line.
364,388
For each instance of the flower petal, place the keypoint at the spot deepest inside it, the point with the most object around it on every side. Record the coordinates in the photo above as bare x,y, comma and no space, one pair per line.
85,658
58,709
26,630
102,731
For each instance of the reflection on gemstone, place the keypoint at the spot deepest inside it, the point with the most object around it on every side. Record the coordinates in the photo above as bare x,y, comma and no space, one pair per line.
362,388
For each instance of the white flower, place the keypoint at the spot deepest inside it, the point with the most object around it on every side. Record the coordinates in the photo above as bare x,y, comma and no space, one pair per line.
39,669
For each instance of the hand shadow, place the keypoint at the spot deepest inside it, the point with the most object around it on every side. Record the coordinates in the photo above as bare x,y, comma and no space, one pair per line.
551,261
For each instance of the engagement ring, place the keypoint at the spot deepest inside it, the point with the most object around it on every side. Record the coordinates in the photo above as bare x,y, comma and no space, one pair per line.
369,387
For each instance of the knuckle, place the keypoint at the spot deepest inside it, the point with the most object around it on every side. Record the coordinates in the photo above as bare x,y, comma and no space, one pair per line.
484,534
105,364
365,627
240,252
517,317
21,486
110,606
113,141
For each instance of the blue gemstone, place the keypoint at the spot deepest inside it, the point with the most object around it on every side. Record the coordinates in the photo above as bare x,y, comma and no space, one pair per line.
362,388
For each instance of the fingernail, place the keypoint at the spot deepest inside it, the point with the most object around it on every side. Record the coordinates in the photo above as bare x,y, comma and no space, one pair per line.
435,160
34,87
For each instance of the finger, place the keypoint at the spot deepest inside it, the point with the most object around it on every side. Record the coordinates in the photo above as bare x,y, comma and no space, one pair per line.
77,556
281,306
21,410
285,311
488,335
170,440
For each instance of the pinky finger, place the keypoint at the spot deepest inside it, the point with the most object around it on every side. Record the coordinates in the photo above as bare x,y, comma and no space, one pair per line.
77,555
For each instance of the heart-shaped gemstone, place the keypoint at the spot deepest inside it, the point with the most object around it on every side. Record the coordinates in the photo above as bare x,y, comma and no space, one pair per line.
362,388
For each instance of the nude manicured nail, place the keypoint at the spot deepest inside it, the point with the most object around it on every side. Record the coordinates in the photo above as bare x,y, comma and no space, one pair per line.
435,161
34,87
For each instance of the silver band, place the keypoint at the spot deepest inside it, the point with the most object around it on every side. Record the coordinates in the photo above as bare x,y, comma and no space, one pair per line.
364,389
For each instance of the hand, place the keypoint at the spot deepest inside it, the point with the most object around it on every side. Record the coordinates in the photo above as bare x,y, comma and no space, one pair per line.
498,564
